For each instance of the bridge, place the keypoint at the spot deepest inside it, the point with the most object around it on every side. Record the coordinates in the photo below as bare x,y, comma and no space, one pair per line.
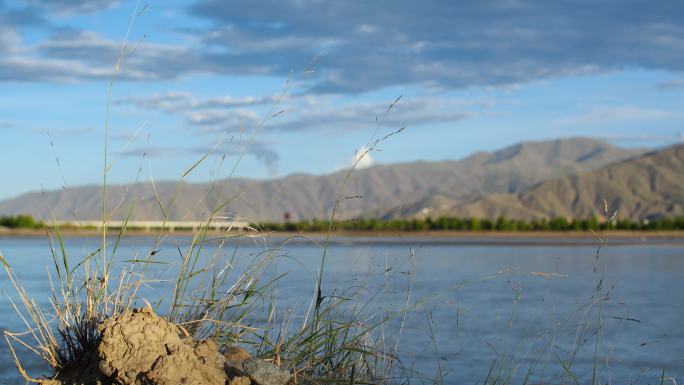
233,225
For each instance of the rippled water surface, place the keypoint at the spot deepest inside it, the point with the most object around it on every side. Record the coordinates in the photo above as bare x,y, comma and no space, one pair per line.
477,306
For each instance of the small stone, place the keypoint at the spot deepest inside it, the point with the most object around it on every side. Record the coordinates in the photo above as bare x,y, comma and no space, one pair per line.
265,373
237,354
104,367
233,359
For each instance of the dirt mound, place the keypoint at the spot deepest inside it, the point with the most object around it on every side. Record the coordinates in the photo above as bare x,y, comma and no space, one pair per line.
139,347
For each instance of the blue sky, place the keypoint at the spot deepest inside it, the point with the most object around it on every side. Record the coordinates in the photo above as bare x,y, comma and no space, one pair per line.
300,85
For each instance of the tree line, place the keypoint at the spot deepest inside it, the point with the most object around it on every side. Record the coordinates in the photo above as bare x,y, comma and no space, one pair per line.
477,224
430,224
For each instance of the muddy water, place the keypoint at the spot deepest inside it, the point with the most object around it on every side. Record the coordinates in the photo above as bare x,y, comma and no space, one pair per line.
475,305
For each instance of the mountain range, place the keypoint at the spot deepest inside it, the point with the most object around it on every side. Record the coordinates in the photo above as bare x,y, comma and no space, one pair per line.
650,186
563,177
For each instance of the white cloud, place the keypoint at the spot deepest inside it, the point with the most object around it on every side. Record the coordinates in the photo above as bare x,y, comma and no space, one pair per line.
221,120
362,158
70,56
370,45
70,7
304,112
363,46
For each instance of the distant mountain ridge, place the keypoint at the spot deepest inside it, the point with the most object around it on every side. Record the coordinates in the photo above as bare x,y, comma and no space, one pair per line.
650,186
378,191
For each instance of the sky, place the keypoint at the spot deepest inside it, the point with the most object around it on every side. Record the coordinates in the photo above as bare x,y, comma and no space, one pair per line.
263,89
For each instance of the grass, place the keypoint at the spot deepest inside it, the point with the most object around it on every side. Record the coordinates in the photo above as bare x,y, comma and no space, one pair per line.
332,346
207,301
338,340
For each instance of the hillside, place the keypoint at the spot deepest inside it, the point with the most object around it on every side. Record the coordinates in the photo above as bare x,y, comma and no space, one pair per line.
384,189
646,187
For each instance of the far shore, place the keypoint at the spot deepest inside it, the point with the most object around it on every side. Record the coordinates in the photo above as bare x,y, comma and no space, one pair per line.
445,234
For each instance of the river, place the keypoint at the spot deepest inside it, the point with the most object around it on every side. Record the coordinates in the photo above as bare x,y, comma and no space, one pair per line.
522,307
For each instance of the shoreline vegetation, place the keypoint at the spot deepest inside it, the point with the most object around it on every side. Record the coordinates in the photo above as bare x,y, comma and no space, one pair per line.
441,227
427,234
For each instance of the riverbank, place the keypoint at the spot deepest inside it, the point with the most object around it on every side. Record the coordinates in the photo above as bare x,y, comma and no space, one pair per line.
462,237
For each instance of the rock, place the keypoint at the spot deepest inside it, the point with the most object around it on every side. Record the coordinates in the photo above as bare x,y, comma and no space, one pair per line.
265,373
141,348
234,357
237,354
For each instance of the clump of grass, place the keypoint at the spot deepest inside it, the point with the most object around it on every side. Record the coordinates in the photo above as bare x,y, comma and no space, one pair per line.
334,346
207,301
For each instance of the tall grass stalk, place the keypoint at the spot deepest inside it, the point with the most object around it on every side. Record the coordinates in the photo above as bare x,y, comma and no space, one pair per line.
340,198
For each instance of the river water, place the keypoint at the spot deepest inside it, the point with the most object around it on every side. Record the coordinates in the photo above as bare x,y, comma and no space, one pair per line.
518,307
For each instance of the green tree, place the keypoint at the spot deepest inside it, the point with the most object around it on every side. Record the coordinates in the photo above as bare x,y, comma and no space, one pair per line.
502,224
18,221
558,224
